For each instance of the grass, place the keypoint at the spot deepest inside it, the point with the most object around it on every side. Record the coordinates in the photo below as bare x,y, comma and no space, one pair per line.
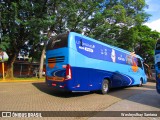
30,78
16,79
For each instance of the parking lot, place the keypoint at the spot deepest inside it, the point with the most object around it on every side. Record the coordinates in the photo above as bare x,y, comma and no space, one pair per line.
36,96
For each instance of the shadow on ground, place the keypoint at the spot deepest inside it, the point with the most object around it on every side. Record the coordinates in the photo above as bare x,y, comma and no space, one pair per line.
134,94
63,94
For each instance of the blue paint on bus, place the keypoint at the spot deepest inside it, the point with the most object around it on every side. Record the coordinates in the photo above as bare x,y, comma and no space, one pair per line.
78,63
157,65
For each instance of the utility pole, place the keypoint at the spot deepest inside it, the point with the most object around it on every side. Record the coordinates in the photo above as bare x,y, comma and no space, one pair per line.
1,53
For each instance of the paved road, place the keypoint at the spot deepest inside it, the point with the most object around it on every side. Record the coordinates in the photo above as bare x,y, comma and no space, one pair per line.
30,96
144,104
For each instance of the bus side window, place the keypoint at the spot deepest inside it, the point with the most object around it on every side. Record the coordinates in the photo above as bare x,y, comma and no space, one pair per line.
139,63
129,60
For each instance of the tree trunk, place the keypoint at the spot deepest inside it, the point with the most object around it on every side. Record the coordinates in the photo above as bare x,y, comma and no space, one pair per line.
42,61
9,73
42,55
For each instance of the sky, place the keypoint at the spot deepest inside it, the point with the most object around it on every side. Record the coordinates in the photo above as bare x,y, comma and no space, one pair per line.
154,10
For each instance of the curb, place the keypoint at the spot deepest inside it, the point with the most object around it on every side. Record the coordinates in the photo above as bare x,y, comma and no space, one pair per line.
149,80
10,81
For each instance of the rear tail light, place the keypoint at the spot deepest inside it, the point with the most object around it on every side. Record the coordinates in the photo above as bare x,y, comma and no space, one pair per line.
68,72
53,84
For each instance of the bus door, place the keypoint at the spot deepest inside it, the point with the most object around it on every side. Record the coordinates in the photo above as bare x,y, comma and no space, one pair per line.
141,66
141,70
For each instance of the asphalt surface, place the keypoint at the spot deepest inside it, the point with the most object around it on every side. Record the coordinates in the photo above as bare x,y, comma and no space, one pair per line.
143,106
36,96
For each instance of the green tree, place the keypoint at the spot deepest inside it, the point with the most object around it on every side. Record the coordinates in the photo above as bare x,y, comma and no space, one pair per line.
141,40
106,20
21,21
145,42
113,18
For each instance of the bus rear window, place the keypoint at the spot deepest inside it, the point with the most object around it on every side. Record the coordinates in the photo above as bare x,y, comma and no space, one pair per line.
56,42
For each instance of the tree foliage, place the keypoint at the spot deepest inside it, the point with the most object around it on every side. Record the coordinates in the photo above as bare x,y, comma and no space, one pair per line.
21,21
141,40
145,42
116,22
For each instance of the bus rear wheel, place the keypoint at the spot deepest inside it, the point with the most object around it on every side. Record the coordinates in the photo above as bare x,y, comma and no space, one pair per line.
105,86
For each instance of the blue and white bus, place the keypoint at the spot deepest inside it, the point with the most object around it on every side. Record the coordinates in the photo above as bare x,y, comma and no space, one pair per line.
78,63
157,65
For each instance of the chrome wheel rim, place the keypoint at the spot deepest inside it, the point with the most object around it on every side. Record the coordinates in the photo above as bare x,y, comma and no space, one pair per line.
105,86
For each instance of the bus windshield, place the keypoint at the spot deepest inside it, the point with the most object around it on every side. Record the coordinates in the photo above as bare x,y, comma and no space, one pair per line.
56,42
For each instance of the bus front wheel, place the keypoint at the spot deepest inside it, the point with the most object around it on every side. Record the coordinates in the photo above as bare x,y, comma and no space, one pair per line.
105,86
141,82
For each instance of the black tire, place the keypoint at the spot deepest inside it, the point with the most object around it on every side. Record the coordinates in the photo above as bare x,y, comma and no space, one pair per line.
141,82
105,86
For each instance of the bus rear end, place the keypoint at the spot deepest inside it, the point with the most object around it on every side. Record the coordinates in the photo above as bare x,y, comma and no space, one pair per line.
58,70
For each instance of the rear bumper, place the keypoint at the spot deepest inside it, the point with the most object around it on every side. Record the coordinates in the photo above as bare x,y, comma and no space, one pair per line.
55,84
65,86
